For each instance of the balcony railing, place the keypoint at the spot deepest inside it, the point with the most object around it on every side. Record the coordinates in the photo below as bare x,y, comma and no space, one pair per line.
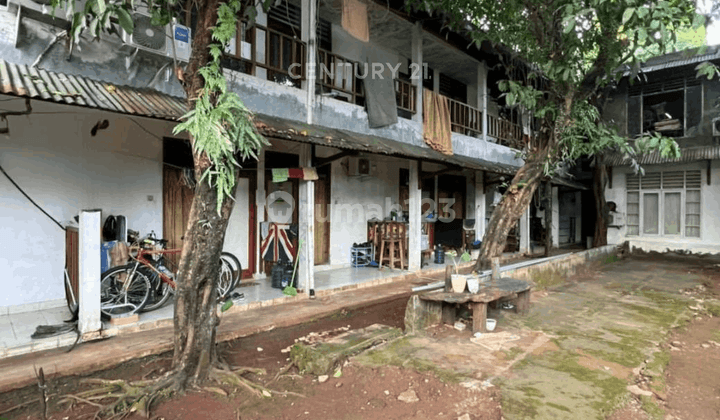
465,119
337,74
507,133
405,95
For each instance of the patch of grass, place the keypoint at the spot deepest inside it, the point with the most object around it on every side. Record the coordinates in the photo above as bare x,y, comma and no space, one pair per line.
713,310
512,353
558,407
526,408
401,353
654,411
716,336
610,259
531,392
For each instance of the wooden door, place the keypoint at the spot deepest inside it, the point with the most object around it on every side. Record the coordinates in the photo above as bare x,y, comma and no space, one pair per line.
177,199
322,218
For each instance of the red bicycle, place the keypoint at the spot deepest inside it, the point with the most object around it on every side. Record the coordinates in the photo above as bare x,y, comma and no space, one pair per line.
147,283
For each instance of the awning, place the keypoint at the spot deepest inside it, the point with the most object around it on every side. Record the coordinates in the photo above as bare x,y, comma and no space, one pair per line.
689,154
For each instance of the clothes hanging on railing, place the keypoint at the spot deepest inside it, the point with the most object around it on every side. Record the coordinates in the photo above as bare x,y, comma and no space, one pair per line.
436,122
355,19
283,174
380,98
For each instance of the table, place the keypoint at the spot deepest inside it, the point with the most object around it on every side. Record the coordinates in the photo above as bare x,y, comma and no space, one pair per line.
503,288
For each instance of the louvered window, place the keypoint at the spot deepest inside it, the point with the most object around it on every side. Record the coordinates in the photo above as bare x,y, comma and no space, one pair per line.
657,201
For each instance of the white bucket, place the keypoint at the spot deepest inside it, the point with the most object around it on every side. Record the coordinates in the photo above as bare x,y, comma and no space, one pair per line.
490,324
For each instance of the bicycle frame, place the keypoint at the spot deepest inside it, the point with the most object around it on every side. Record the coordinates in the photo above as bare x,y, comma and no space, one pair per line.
141,259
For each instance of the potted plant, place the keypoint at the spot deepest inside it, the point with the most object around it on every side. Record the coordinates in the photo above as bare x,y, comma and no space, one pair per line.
458,281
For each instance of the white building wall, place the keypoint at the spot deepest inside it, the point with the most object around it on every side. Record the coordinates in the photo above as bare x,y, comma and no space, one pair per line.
356,199
62,168
709,241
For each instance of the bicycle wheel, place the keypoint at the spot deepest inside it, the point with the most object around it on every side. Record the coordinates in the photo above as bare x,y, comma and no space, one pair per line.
226,280
235,266
121,293
160,292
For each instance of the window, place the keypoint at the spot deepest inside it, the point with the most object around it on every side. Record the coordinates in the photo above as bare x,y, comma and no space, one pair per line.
668,107
657,201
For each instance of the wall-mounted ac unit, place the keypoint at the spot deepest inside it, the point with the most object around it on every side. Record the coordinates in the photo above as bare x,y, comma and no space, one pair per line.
716,127
159,39
359,166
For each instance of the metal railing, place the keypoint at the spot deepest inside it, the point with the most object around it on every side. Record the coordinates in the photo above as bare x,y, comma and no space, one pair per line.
465,119
507,133
405,95
338,74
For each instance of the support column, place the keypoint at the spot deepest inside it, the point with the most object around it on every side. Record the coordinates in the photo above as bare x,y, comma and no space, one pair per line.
525,231
483,99
578,218
306,256
309,35
415,225
89,260
417,58
555,217
479,205
260,198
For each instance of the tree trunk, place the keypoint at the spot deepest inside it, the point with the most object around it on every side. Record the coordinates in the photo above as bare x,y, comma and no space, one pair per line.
512,205
196,319
600,180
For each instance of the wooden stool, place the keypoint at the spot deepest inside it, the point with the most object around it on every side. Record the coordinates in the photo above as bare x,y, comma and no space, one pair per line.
392,244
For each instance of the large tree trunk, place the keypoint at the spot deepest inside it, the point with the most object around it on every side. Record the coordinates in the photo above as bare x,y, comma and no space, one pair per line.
514,202
196,319
600,180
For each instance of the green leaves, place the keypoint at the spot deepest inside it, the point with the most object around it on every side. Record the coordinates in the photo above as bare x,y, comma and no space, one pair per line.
125,20
707,69
627,14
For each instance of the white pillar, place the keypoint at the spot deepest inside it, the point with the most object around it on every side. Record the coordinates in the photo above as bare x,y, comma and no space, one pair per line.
479,205
415,225
417,58
309,35
525,231
306,256
89,294
555,228
483,96
260,197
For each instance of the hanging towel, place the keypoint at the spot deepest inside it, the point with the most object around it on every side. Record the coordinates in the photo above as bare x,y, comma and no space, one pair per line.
310,174
280,174
295,173
380,100
436,122
355,19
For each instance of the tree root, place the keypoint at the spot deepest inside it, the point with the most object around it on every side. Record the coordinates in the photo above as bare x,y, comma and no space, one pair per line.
224,373
126,397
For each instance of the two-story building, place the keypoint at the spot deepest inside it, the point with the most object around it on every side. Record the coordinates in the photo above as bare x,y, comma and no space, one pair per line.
90,127
673,205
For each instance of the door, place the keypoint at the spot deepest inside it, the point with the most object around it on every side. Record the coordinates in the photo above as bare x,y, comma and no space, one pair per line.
322,216
177,199
240,235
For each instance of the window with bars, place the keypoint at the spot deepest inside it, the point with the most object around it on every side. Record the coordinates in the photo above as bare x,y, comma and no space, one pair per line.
657,201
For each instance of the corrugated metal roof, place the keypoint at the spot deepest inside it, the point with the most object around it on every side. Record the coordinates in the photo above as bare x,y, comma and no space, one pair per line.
677,59
21,80
690,154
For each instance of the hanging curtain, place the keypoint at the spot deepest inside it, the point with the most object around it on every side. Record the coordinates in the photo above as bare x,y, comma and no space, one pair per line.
355,19
436,122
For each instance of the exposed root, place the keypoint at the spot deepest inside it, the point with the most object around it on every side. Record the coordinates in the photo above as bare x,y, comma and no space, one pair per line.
281,372
125,397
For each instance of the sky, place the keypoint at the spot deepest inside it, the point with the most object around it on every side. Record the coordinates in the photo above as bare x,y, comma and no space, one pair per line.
713,31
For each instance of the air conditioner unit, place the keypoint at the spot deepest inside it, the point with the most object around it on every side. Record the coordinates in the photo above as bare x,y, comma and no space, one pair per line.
716,127
158,39
358,166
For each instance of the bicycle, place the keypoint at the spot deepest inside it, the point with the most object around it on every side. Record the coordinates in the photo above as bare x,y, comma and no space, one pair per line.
150,264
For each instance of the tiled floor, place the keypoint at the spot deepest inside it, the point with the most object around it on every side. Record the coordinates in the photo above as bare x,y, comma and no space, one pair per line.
16,329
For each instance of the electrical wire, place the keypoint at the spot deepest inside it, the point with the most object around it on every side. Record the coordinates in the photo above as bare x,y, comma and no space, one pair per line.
30,199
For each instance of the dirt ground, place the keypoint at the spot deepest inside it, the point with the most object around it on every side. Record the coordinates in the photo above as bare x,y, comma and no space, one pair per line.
688,388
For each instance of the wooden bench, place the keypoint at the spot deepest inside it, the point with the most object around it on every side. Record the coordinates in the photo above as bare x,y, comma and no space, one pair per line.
490,291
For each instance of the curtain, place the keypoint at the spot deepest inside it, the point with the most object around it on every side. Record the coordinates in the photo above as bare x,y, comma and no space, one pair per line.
436,122
650,213
672,213
355,19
